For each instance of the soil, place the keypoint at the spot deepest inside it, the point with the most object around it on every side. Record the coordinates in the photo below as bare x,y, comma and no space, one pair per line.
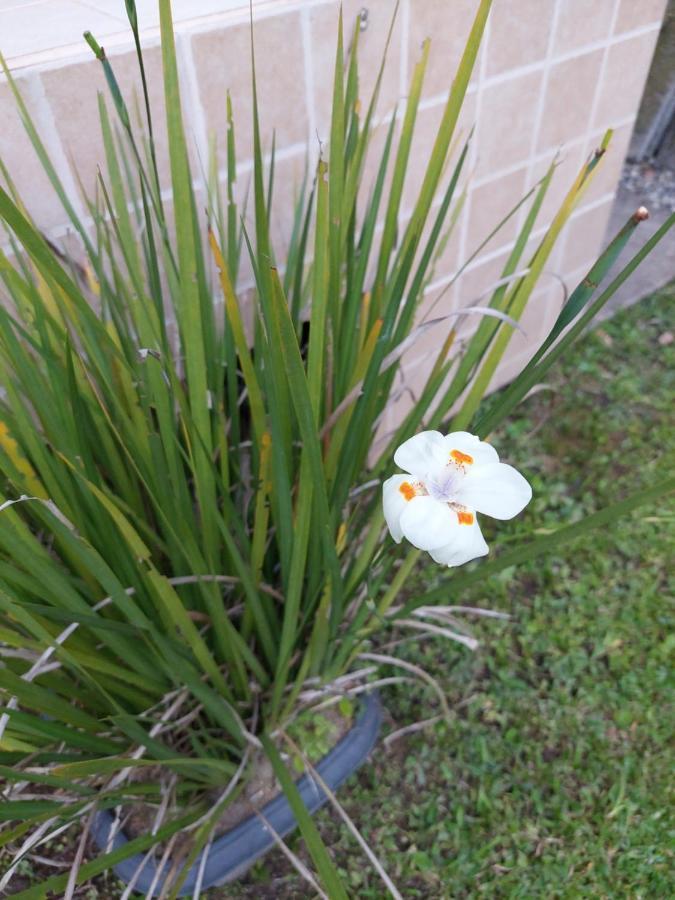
255,792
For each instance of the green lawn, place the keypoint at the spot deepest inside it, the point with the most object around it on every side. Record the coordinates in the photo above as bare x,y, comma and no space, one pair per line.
553,777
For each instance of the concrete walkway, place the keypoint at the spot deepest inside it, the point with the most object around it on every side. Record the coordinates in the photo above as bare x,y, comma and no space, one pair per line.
643,183
659,267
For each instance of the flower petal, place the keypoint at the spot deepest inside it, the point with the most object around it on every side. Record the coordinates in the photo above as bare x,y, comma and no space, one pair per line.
423,454
467,543
495,489
480,452
394,501
427,523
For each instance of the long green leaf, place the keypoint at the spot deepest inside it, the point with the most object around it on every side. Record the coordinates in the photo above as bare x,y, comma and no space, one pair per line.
316,847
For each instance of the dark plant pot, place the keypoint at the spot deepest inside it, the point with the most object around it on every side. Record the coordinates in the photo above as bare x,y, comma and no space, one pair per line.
231,854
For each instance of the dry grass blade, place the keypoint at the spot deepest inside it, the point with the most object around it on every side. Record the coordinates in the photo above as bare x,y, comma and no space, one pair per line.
293,858
365,688
41,835
501,282
416,670
200,870
427,628
79,855
471,611
41,664
45,861
411,729
159,872
156,825
336,694
337,806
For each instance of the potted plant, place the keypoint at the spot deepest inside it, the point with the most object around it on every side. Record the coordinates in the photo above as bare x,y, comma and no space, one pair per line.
195,568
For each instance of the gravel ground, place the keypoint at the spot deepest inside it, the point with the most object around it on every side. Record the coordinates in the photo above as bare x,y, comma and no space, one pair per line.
654,187
656,184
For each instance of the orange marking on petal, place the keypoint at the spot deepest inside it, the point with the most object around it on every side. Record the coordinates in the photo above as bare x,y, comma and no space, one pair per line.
465,518
407,490
460,457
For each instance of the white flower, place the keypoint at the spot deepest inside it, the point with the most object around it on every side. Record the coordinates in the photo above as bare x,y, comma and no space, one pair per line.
450,479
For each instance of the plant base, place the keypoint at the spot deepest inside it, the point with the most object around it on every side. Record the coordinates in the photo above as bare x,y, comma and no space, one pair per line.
233,853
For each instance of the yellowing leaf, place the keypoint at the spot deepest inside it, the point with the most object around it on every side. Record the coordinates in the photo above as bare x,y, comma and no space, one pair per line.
31,482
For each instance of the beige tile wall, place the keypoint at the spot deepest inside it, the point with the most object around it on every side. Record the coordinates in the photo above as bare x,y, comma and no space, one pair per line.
552,75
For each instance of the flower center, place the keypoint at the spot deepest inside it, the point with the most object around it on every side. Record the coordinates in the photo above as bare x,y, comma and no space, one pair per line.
443,489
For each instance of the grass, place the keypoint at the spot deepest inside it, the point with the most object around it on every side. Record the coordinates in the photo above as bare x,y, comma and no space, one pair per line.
553,778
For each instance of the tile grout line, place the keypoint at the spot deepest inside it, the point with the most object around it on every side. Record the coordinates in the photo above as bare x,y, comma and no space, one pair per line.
545,154
310,106
120,40
594,204
473,152
403,85
116,17
603,69
583,50
599,87
550,61
194,109
504,248
541,104
539,67
59,231
43,117
22,4
404,74
300,147
293,150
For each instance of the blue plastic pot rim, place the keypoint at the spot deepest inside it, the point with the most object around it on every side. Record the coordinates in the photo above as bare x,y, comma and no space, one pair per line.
232,853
